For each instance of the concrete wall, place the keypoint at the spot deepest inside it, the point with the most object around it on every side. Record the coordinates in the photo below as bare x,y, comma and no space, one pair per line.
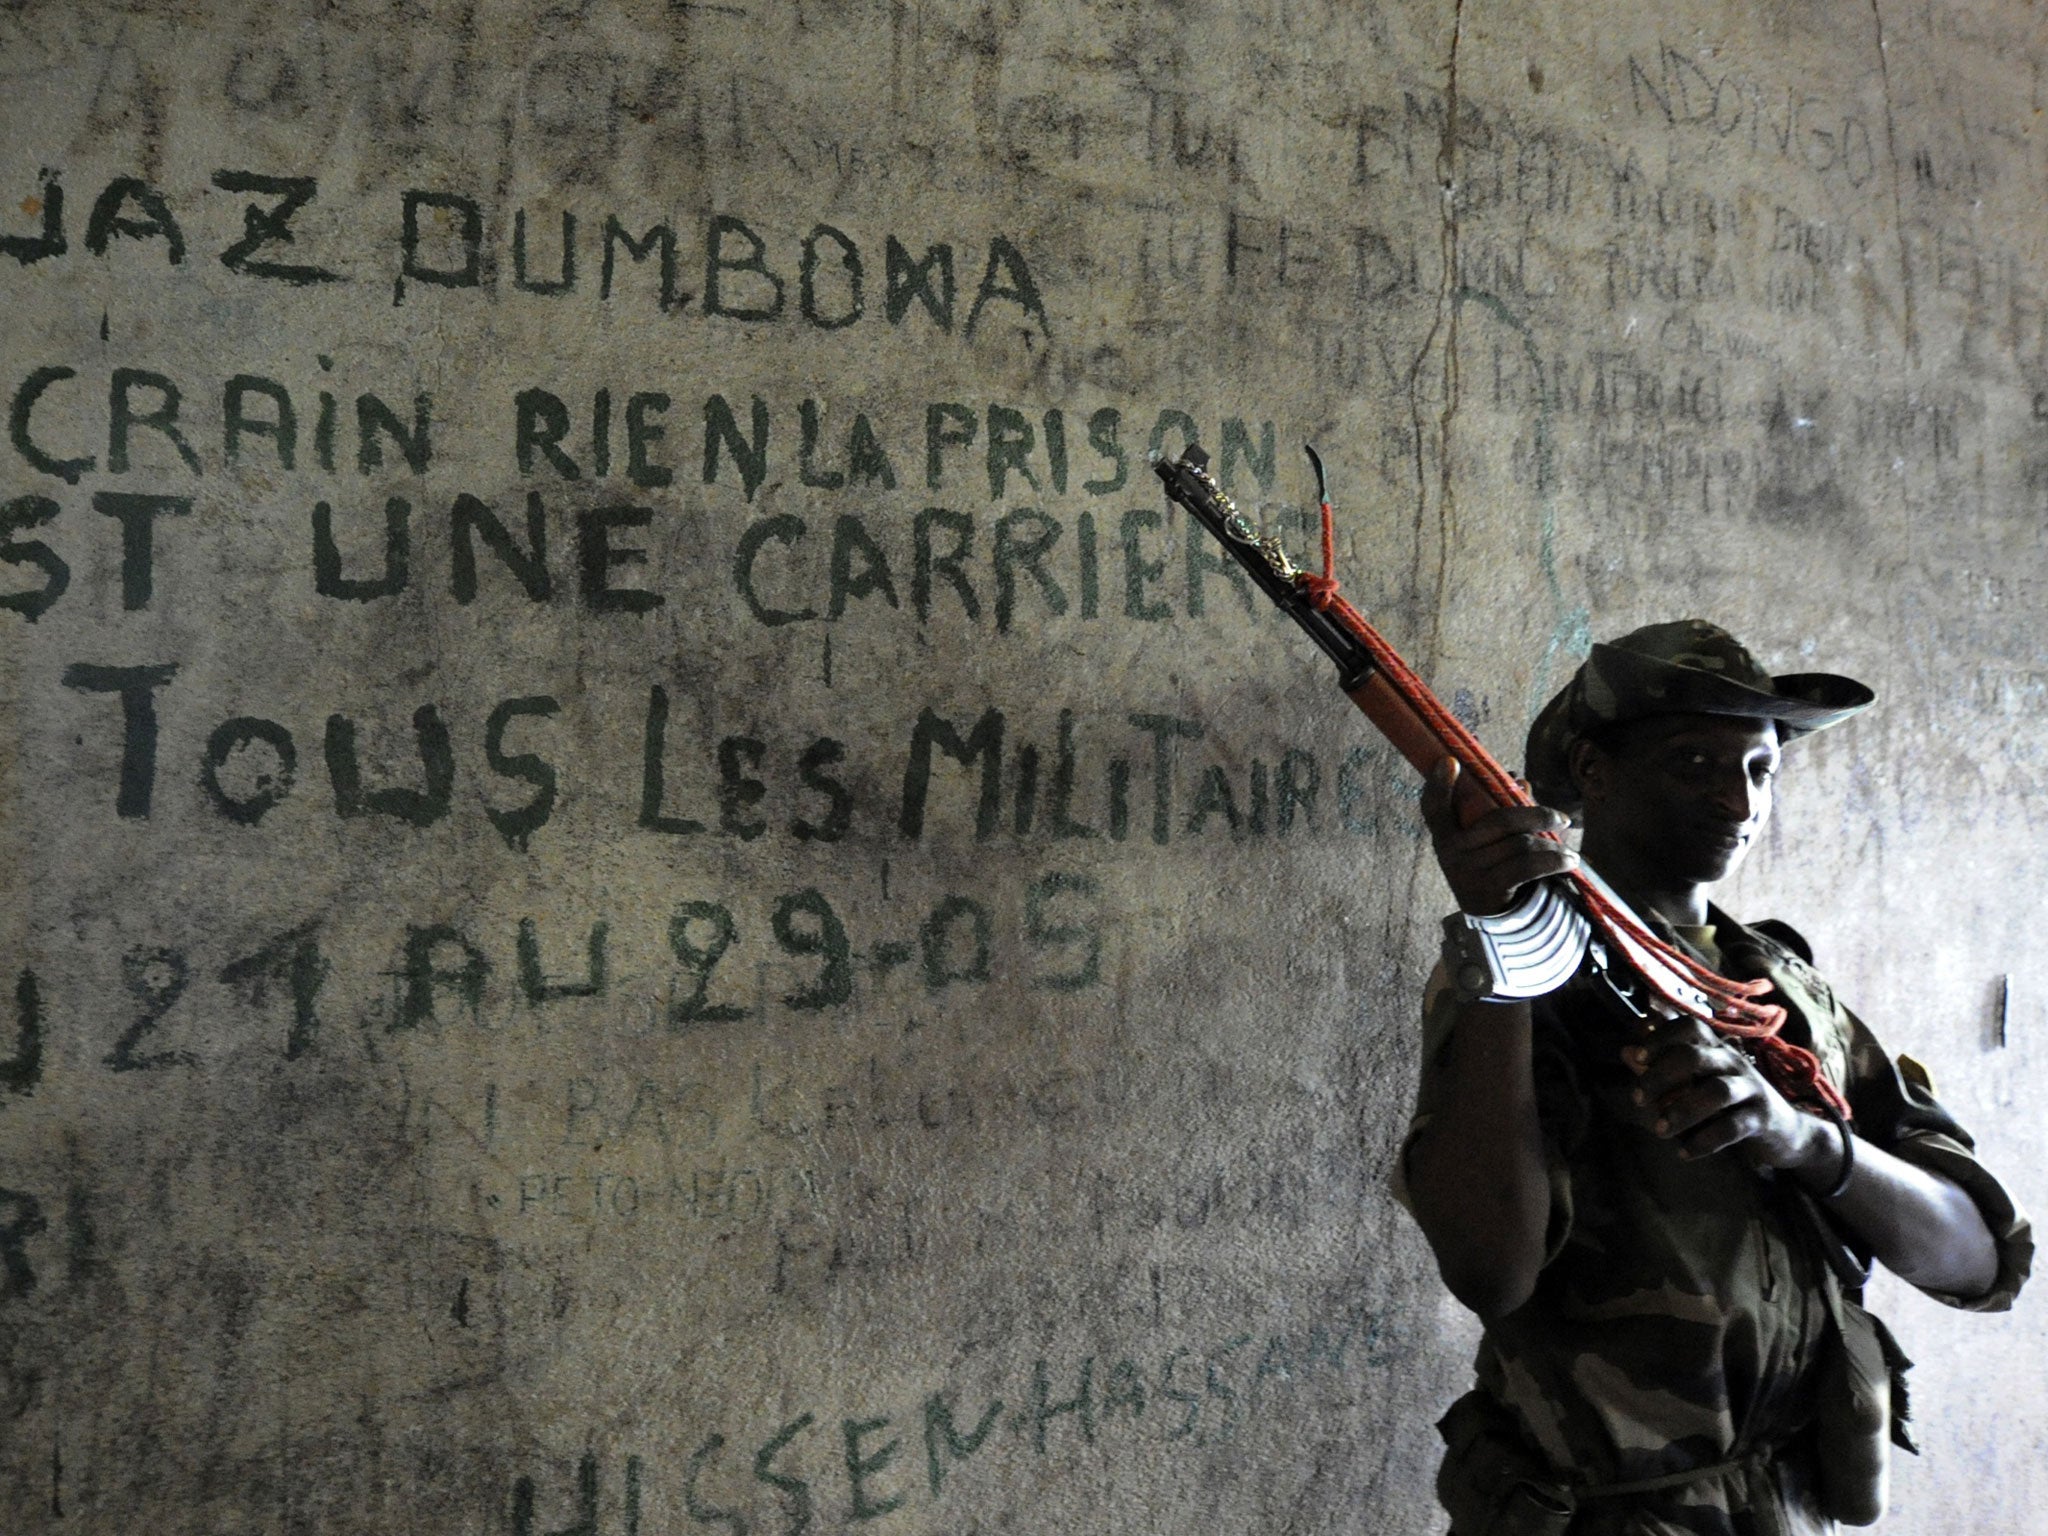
503,1039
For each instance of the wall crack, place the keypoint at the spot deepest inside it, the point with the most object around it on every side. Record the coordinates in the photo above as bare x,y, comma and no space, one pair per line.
1444,325
1891,144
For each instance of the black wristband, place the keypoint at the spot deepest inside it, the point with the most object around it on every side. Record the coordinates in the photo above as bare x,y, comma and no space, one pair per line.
1848,1153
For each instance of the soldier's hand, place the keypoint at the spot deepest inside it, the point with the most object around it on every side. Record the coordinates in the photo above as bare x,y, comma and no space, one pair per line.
1487,863
1700,1091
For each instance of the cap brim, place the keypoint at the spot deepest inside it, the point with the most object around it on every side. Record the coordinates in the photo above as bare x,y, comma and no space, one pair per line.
1641,686
1800,701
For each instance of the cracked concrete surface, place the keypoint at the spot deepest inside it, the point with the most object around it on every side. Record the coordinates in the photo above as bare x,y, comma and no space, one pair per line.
652,887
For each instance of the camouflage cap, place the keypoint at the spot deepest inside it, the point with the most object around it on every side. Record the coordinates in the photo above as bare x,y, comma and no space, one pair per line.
1685,667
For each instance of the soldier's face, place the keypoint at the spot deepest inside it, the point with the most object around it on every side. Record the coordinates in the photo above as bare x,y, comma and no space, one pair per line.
1686,794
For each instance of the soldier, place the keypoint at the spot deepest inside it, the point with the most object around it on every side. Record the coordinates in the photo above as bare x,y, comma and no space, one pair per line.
1668,1254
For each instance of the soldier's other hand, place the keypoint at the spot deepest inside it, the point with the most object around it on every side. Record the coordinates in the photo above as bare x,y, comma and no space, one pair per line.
1697,1089
1488,863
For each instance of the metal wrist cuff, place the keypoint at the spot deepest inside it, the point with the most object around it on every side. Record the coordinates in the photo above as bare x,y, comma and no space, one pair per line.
1532,948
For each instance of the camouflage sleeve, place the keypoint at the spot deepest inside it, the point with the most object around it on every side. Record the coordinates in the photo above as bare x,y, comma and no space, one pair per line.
1895,1108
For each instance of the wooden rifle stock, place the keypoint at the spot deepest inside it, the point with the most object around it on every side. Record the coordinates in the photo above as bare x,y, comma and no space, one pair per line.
1189,485
1379,703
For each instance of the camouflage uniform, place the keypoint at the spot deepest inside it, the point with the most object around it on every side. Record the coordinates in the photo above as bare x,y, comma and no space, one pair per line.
1662,1377
1681,1308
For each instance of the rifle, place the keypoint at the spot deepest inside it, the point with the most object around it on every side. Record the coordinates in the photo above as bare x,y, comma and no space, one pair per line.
1562,924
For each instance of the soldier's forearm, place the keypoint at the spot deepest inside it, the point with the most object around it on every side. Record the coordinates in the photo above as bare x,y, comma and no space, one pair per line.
1918,1224
1475,1172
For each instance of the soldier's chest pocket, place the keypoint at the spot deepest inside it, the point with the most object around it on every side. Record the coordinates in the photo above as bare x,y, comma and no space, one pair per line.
1814,986
1810,996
